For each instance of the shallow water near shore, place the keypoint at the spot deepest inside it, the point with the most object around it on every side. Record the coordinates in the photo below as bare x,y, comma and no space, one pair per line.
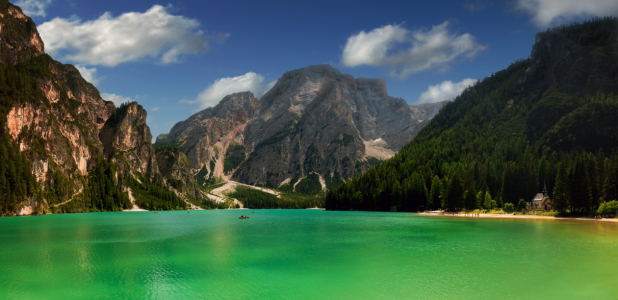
303,254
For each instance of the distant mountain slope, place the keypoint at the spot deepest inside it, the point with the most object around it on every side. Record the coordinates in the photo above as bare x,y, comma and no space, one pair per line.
511,133
314,120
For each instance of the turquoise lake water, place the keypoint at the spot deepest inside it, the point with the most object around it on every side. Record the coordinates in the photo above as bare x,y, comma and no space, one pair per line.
303,254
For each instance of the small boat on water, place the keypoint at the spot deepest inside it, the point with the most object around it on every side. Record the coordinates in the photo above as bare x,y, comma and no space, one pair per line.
244,217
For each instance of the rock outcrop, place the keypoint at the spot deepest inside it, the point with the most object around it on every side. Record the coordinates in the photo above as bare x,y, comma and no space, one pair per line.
176,167
127,140
19,38
207,135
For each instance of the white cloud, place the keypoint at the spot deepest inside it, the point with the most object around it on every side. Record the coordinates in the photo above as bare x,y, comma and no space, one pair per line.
547,12
446,90
117,99
222,87
88,74
434,48
131,36
155,108
34,8
477,5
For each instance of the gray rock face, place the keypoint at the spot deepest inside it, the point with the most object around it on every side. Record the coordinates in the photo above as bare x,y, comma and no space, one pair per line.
314,120
207,135
317,120
426,111
176,167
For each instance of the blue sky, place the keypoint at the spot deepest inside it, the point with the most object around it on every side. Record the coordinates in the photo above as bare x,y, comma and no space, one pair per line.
178,57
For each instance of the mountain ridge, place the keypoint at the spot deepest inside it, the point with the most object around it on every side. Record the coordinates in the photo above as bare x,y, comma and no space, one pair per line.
273,147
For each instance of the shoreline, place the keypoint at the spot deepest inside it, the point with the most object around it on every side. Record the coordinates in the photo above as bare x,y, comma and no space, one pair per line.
513,217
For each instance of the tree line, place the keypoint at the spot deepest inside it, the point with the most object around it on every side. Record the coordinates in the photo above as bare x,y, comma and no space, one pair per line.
252,198
480,163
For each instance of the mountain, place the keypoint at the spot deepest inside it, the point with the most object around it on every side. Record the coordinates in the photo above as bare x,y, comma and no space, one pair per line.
208,135
546,119
64,148
314,120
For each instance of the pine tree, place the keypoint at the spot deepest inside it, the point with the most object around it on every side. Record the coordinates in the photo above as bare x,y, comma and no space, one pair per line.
581,192
435,193
480,199
444,192
561,190
455,193
470,195
489,203
610,186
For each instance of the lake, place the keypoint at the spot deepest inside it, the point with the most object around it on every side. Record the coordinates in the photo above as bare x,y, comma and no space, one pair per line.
303,254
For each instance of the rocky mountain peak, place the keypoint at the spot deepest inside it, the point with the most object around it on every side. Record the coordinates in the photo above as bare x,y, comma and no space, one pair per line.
315,120
318,120
19,38
237,106
126,133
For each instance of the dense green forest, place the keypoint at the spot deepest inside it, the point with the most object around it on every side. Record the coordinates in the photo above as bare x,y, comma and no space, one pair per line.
151,194
252,198
101,193
493,142
16,180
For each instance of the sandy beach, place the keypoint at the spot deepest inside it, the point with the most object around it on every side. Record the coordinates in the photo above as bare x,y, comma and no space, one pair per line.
510,216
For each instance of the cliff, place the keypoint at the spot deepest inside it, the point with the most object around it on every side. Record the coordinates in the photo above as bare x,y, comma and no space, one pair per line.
127,140
176,167
206,137
70,139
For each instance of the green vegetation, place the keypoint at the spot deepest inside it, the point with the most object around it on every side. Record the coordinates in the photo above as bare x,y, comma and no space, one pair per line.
103,193
168,149
309,185
333,180
171,153
233,157
372,161
16,180
152,195
207,178
492,141
206,203
608,208
252,198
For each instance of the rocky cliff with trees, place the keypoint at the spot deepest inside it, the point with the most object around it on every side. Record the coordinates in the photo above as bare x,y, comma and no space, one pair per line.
63,147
